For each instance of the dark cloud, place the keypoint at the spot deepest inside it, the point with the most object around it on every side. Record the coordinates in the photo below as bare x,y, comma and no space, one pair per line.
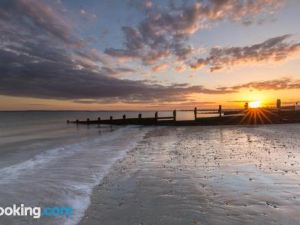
28,76
274,49
33,28
37,17
117,71
165,31
24,76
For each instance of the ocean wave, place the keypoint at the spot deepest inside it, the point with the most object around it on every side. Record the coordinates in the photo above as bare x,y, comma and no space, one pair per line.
67,175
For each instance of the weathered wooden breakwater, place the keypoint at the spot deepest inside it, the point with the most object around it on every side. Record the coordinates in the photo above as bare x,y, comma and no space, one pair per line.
140,120
246,116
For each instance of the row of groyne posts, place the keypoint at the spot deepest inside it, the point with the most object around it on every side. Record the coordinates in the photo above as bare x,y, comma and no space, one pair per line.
171,119
156,117
140,118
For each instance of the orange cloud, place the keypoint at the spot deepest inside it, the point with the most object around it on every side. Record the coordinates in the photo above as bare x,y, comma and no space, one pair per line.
272,50
160,67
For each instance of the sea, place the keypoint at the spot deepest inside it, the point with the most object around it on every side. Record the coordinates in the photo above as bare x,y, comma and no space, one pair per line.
45,162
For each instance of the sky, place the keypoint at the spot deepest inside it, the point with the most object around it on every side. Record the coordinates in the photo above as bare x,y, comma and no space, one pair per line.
148,54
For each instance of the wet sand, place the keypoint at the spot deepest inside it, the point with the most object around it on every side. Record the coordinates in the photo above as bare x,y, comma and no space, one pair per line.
204,175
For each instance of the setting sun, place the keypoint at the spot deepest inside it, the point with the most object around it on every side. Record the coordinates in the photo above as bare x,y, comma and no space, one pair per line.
255,104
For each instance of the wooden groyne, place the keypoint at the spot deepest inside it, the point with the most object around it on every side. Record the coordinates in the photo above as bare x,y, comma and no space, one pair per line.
246,116
140,120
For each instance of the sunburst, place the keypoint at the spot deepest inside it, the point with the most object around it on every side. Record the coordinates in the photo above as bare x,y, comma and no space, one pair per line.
259,116
255,104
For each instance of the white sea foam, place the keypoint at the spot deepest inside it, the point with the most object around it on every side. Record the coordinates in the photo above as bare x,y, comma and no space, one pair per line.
65,176
81,203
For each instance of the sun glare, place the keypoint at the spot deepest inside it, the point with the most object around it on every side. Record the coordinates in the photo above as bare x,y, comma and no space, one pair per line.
255,104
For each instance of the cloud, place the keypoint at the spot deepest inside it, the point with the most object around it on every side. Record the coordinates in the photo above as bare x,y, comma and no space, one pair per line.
180,68
87,15
277,84
272,50
37,16
160,67
119,71
59,77
165,31
35,29
23,75
148,4
43,68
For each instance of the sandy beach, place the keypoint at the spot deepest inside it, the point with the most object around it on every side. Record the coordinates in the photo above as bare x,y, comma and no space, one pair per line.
204,175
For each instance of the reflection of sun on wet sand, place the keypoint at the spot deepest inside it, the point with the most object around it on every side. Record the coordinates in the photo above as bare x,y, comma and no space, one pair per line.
204,175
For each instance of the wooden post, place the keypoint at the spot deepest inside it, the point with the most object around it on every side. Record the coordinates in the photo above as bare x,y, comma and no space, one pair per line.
220,110
77,121
140,116
246,106
174,115
88,120
195,113
278,104
111,118
156,116
124,117
99,119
